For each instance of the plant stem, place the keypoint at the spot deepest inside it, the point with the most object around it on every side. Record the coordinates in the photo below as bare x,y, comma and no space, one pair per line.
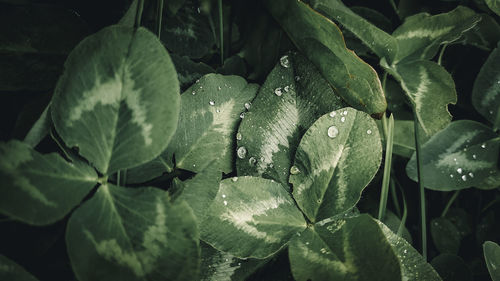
387,166
423,218
405,214
441,53
66,154
394,197
221,32
394,7
138,15
118,178
450,202
159,17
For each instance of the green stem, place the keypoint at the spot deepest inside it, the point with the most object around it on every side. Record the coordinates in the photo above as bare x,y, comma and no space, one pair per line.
394,7
138,15
450,202
441,53
66,154
394,197
405,214
423,218
387,166
118,178
221,32
159,17
124,182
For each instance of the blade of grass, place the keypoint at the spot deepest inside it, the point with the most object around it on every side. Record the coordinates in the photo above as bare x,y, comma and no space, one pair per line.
394,196
423,218
441,54
405,213
450,202
159,17
221,32
387,166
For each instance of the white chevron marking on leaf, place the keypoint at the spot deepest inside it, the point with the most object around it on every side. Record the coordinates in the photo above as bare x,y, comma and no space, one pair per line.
424,32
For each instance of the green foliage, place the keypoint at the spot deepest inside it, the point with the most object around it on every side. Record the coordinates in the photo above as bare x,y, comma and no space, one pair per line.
219,140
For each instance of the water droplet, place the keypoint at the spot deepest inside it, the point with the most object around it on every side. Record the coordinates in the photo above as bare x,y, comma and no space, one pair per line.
307,243
459,170
287,88
332,114
297,78
198,81
235,179
242,115
241,152
284,61
211,102
199,10
193,93
474,156
225,203
405,251
239,264
451,176
455,159
294,170
471,175
342,119
345,112
464,177
333,132
223,195
491,112
252,161
248,105
483,145
278,92
369,132
498,82
324,251
217,110
238,136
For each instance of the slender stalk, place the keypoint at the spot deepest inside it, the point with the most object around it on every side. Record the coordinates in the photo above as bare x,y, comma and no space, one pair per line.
387,166
450,202
423,218
394,7
118,176
159,17
394,197
59,144
124,181
405,214
138,15
221,32
441,53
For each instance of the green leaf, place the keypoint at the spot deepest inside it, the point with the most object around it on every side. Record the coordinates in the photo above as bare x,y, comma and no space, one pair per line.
117,103
484,35
189,71
188,33
486,91
210,112
293,96
49,185
420,35
492,257
251,217
220,266
393,222
11,271
494,5
322,42
413,265
343,249
128,19
325,182
452,268
133,234
445,236
429,88
380,42
458,157
200,191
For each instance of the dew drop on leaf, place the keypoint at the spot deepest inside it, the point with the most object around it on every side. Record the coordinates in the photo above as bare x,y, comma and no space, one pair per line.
287,88
464,177
471,175
474,156
451,176
242,115
252,161
459,170
369,132
333,131
219,88
225,203
248,105
297,78
342,119
235,179
241,152
294,170
193,93
238,136
217,110
332,114
278,92
211,102
223,195
284,61
483,145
